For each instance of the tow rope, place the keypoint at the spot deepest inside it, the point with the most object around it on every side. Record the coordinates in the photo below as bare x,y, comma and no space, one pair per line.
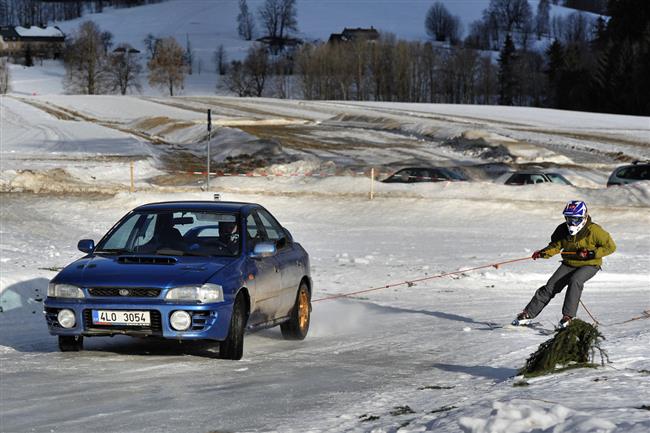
411,283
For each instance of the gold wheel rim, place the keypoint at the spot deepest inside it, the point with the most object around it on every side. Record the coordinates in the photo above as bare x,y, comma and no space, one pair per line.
303,309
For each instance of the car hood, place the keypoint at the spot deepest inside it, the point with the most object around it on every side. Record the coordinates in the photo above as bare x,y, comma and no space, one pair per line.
141,271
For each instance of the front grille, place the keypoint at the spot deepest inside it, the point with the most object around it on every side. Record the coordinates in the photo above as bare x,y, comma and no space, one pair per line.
132,292
154,329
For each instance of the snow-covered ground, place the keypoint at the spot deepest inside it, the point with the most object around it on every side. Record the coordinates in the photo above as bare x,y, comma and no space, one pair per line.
437,347
434,356
50,141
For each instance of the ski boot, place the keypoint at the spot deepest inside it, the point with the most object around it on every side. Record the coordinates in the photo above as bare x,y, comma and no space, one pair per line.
522,319
564,322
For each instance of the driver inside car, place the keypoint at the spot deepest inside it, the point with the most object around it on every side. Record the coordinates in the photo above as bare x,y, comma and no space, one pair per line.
228,235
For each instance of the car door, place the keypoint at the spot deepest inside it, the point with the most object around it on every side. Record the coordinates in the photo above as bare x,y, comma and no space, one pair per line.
289,259
267,280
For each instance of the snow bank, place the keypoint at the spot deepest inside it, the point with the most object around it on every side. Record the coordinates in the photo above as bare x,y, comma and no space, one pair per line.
533,416
635,195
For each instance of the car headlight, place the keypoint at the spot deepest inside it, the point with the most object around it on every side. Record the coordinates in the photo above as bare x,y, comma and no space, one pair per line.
205,294
64,291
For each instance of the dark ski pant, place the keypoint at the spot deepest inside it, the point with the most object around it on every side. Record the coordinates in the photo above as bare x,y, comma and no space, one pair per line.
564,276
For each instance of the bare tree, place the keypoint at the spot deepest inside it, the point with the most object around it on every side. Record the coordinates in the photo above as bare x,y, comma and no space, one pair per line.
510,15
249,78
5,11
441,25
479,36
107,40
5,76
150,45
237,80
577,28
257,66
278,17
167,68
125,69
221,60
189,55
245,21
85,61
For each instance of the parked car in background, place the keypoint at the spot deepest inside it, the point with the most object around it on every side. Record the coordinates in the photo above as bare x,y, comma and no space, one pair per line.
184,271
533,177
426,174
636,172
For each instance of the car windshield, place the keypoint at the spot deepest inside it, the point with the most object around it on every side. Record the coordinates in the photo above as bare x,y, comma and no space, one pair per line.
185,233
558,178
635,172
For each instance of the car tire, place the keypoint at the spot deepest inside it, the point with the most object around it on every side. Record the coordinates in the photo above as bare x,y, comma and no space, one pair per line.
297,326
68,343
233,346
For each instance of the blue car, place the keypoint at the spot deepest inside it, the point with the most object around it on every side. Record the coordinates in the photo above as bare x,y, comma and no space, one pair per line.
193,270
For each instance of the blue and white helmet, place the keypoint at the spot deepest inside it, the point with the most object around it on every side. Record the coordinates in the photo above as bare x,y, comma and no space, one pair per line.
575,213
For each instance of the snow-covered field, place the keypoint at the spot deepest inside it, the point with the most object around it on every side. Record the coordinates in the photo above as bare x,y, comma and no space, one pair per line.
437,347
434,356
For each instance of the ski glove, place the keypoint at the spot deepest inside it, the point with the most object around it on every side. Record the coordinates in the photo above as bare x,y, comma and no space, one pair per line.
536,255
585,254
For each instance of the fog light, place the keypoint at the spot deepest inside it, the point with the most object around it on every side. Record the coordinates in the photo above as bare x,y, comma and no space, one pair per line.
66,318
180,320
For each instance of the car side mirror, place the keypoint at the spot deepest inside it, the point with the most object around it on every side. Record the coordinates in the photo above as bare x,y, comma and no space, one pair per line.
86,245
264,249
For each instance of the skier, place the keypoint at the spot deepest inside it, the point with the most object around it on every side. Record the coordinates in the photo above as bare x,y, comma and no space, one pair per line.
583,245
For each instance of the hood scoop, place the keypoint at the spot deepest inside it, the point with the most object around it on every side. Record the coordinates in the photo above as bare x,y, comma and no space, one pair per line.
146,260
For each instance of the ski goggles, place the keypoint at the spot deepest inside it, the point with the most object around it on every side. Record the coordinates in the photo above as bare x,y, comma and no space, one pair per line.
574,221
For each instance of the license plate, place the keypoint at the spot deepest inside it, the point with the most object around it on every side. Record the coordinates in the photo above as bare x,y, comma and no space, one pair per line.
124,318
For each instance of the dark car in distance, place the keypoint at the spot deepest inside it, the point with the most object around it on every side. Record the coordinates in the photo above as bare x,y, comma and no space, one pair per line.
425,174
185,270
534,177
636,172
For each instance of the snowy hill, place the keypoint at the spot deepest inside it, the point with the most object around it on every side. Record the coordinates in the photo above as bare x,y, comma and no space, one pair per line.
208,24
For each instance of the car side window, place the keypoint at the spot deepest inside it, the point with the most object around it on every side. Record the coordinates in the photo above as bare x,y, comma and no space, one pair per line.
516,179
421,175
253,234
401,176
437,175
273,230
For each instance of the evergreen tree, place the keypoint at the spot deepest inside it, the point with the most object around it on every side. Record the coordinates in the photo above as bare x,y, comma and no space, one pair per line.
555,54
542,20
627,59
507,77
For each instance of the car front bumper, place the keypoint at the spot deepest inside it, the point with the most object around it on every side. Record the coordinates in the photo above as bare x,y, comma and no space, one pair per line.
209,321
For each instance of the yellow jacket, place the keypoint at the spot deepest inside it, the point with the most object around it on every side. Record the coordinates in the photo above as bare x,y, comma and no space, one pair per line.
591,237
